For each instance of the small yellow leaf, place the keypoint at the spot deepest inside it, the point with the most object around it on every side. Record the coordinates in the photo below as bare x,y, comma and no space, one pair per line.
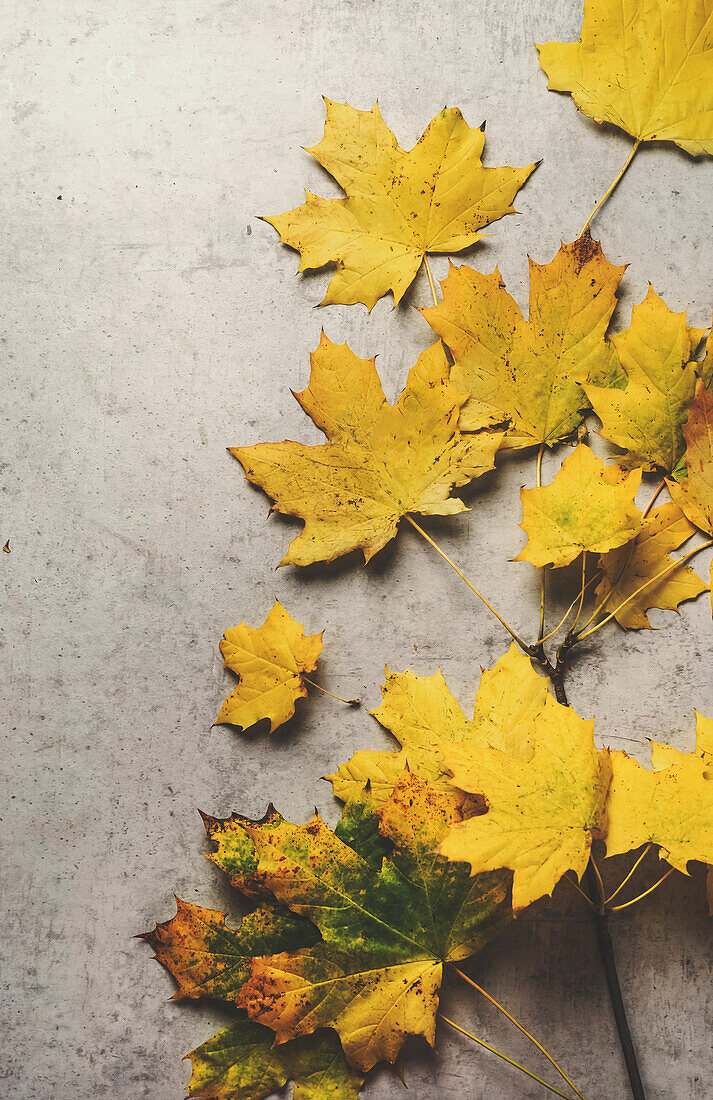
643,65
423,716
695,495
399,205
628,568
543,812
588,506
381,462
270,661
645,418
671,806
528,373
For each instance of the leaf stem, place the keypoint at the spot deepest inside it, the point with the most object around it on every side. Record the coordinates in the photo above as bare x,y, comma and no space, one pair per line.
349,702
633,870
662,573
543,574
520,1027
430,279
566,615
516,637
579,890
639,897
499,1053
582,590
609,190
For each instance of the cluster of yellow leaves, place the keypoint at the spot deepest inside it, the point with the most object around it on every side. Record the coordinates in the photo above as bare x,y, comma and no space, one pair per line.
399,205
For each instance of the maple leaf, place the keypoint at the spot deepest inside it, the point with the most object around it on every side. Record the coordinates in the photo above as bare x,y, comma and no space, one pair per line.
704,369
399,205
422,714
528,373
381,462
545,804
626,569
270,661
671,806
588,506
694,495
388,923
645,419
644,66
241,1062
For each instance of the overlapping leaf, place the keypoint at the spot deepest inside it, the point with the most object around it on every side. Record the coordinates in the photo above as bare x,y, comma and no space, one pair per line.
626,570
423,716
545,803
588,506
643,65
646,417
381,462
671,806
529,373
399,205
695,494
269,661
241,1062
386,928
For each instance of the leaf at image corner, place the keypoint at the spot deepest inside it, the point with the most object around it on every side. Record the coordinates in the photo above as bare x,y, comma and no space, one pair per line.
399,205
381,461
645,66
270,661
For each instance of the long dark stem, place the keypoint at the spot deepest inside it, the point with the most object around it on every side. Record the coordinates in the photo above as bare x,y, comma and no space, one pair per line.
601,923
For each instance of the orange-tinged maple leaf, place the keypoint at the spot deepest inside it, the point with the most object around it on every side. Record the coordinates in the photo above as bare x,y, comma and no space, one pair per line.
270,661
529,373
399,205
694,496
588,506
381,462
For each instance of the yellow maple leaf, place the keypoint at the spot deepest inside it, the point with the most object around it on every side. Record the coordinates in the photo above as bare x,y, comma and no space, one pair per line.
629,567
528,373
423,715
381,462
695,495
399,205
270,661
588,506
671,806
645,418
642,65
543,809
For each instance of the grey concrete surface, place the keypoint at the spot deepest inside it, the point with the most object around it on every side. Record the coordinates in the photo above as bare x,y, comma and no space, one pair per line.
148,321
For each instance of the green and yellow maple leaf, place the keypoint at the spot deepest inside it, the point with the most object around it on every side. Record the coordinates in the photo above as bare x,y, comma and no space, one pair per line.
529,373
423,715
399,205
545,804
270,661
242,1062
645,66
671,806
646,417
628,568
381,462
387,927
588,506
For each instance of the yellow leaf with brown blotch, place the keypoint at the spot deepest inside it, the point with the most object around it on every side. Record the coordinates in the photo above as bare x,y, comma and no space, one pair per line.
588,506
399,205
645,418
628,568
643,65
270,661
382,461
671,806
544,808
529,373
423,715
694,495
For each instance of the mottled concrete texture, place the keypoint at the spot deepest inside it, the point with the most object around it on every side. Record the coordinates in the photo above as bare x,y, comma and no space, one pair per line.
148,321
